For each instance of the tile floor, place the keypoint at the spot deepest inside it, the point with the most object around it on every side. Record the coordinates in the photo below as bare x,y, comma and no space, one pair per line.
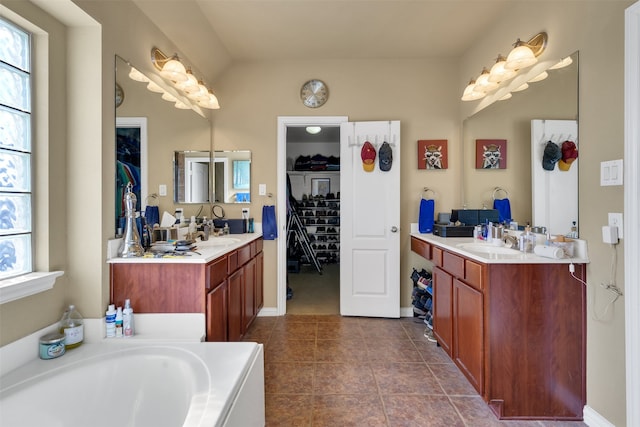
328,370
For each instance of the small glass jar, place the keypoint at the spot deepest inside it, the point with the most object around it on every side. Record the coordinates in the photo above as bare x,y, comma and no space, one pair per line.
52,345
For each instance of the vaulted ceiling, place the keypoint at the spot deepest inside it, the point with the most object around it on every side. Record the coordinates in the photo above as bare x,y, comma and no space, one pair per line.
215,33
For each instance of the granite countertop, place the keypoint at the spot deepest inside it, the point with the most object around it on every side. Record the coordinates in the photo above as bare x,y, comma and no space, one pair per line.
486,253
204,252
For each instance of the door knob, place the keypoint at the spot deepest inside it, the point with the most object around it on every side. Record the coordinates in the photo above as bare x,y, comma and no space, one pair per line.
394,229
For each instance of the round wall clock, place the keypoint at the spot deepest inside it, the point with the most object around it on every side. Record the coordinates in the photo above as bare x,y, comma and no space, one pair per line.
119,95
314,93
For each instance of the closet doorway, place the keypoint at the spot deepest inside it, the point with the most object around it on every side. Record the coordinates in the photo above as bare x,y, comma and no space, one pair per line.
309,214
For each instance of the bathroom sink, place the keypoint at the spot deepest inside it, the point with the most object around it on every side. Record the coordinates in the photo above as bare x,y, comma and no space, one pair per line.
487,248
219,241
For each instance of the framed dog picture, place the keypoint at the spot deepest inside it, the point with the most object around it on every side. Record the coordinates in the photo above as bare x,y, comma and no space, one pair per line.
432,154
491,153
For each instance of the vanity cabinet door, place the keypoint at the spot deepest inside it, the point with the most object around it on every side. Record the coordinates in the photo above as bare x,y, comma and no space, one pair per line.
249,309
443,309
235,291
259,296
217,313
468,332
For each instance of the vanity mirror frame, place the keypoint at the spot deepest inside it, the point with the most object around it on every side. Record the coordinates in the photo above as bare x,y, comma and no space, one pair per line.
511,120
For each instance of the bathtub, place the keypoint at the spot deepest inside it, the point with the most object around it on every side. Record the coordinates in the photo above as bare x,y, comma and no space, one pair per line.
138,384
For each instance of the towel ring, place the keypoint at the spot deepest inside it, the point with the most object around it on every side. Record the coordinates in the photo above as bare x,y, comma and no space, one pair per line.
425,191
151,198
497,190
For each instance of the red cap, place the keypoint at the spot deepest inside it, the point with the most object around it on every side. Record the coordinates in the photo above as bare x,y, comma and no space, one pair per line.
368,155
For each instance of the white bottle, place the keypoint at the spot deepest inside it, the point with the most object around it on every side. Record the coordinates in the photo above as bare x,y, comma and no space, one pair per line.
110,321
119,323
127,319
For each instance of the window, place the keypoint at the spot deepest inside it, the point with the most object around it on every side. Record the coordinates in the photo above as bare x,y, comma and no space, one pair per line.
15,152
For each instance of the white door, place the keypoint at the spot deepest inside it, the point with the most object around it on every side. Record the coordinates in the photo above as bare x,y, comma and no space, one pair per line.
369,223
197,182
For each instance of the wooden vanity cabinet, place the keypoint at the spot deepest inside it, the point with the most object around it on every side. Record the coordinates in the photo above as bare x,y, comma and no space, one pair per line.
516,331
228,290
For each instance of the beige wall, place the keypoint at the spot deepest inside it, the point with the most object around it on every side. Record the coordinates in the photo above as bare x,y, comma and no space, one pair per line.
596,30
423,94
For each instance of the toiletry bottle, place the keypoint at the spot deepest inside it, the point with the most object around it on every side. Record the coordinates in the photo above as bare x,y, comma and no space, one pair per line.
127,319
110,321
72,326
225,230
119,323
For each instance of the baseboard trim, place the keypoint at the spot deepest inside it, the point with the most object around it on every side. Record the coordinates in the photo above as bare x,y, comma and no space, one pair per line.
594,419
273,311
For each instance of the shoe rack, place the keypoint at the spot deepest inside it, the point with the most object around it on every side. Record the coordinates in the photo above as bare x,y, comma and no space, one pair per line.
321,217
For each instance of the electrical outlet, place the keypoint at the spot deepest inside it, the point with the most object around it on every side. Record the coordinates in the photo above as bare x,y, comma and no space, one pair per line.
245,213
615,220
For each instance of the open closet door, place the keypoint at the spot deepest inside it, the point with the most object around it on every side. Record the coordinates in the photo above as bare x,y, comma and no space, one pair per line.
370,219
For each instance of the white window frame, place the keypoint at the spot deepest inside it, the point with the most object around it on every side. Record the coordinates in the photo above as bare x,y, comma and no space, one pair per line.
34,282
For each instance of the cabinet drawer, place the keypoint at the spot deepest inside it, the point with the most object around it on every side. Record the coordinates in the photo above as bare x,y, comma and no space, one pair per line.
421,247
473,274
216,272
453,264
232,261
244,254
436,256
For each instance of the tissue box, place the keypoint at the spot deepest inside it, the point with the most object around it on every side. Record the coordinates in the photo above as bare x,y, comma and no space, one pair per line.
236,226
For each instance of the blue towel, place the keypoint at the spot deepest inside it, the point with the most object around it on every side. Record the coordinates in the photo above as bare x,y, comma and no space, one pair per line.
504,209
269,226
427,213
152,215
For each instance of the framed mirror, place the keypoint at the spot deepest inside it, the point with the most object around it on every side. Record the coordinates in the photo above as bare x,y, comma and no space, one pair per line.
555,98
192,177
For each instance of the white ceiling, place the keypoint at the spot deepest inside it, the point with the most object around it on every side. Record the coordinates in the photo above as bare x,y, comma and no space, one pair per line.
215,33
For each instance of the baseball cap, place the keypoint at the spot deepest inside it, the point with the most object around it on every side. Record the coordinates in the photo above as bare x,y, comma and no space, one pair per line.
385,155
569,155
368,154
551,156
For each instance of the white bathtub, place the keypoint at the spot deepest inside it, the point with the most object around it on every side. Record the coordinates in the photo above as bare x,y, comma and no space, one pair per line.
130,384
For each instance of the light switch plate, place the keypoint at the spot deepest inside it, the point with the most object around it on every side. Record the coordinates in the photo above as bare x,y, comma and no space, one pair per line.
262,189
611,173
615,220
162,190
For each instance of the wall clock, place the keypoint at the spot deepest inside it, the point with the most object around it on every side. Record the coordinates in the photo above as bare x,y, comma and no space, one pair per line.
119,95
314,93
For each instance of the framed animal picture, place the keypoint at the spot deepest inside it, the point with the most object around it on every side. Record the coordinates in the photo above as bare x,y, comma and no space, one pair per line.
491,153
432,154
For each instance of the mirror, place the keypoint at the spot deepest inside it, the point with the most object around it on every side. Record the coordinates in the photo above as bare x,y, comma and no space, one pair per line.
168,129
232,172
555,98
231,176
191,176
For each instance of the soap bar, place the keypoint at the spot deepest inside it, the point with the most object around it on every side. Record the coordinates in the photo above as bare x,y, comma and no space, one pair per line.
549,251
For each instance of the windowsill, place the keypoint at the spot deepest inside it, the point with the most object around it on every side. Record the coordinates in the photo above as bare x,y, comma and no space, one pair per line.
29,284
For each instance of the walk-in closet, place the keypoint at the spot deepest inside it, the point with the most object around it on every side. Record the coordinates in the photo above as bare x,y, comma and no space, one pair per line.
313,219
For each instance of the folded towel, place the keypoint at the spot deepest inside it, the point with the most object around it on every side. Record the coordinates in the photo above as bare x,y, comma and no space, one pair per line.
269,227
504,209
426,215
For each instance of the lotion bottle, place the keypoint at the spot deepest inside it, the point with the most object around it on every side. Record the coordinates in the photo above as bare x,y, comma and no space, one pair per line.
127,319
110,321
72,326
119,323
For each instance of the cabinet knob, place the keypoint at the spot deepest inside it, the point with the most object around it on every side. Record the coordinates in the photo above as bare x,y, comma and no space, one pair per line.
394,229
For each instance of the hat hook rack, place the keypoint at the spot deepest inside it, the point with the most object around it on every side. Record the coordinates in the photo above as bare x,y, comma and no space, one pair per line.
373,139
559,139
425,192
498,190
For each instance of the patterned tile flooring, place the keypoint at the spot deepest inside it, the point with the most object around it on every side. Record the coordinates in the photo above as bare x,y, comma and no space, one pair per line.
328,370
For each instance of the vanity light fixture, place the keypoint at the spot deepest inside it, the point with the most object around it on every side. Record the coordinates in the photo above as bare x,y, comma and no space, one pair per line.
313,130
525,54
505,97
168,97
182,106
182,78
483,84
154,87
520,88
498,73
470,94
